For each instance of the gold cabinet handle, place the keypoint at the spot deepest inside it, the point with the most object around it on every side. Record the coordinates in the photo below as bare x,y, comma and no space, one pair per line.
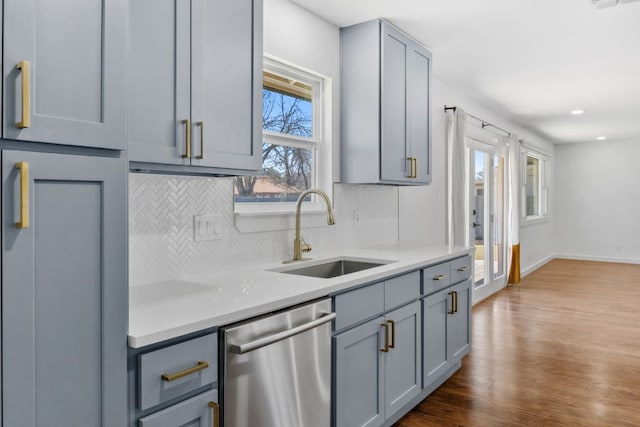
386,337
440,277
24,194
452,311
393,333
463,269
187,153
216,414
25,68
201,126
172,377
413,167
455,302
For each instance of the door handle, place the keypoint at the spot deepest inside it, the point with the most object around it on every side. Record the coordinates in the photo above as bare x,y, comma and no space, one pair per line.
452,311
413,167
187,151
475,224
393,333
201,126
455,299
261,342
24,195
386,337
25,68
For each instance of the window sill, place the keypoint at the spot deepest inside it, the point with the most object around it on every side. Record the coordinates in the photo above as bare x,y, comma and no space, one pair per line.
534,221
260,221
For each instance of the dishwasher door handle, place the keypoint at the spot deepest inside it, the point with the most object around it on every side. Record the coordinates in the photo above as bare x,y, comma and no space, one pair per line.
261,342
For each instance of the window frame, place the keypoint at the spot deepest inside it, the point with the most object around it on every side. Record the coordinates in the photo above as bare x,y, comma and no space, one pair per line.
320,141
543,187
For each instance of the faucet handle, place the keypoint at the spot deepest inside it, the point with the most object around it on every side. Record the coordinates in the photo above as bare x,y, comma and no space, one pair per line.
304,246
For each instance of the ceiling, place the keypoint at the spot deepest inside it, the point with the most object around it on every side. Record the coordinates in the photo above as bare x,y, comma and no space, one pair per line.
533,61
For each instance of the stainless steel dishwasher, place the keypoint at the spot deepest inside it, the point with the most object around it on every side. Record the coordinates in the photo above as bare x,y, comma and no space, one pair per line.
277,369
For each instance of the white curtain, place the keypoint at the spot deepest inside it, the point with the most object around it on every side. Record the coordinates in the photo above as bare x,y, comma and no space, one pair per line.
458,178
513,209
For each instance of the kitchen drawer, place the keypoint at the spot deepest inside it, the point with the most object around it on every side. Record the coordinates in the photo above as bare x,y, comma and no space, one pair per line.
436,277
153,389
357,305
194,411
460,269
401,289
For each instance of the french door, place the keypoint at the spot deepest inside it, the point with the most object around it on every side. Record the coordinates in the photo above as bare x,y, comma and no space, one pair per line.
488,204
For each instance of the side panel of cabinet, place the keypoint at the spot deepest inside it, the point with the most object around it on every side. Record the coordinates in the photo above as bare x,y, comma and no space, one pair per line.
435,318
395,51
77,80
227,84
460,322
359,376
419,64
159,81
403,365
64,291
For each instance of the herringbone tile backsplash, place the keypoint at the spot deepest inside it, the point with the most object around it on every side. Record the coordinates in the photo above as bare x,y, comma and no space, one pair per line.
162,207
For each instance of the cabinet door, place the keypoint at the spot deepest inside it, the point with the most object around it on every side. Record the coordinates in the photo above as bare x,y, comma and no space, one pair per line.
64,291
75,91
403,365
359,375
418,110
459,340
159,81
199,411
226,96
435,321
393,150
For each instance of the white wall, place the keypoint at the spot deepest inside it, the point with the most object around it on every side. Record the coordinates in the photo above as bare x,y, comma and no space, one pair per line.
423,215
598,200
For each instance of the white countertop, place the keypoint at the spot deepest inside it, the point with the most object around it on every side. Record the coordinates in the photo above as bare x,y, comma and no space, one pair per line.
163,310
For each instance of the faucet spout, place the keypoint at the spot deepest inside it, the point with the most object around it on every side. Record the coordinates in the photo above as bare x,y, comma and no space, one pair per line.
298,245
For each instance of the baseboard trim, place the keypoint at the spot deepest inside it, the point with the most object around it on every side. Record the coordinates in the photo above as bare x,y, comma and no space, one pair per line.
537,265
598,258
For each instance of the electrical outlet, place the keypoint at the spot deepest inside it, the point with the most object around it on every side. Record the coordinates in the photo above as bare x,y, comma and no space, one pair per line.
356,218
206,227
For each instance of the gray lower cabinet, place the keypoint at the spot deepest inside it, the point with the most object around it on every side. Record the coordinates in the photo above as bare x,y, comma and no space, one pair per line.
195,412
64,72
377,367
64,290
195,88
385,106
446,329
175,384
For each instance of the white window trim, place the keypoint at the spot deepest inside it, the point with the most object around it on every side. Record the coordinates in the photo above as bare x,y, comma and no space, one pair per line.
271,214
543,185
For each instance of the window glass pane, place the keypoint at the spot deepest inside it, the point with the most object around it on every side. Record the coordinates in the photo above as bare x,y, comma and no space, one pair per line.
533,186
287,170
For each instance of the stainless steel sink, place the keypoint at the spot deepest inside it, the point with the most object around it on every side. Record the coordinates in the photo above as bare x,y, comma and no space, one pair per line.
334,268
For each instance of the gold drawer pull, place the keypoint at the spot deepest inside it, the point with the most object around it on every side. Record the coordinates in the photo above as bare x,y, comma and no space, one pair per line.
453,303
216,413
413,167
172,377
25,68
463,269
24,194
440,277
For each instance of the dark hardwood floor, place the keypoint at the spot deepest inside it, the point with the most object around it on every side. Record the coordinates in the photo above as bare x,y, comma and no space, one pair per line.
562,348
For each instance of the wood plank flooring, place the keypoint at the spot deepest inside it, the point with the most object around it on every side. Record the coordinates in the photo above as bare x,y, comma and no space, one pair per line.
562,348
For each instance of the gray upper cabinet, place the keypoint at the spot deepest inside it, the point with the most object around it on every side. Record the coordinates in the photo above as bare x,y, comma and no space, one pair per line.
64,290
64,66
385,106
195,91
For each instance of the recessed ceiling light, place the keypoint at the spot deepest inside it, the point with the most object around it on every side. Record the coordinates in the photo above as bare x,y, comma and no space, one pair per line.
601,138
577,112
